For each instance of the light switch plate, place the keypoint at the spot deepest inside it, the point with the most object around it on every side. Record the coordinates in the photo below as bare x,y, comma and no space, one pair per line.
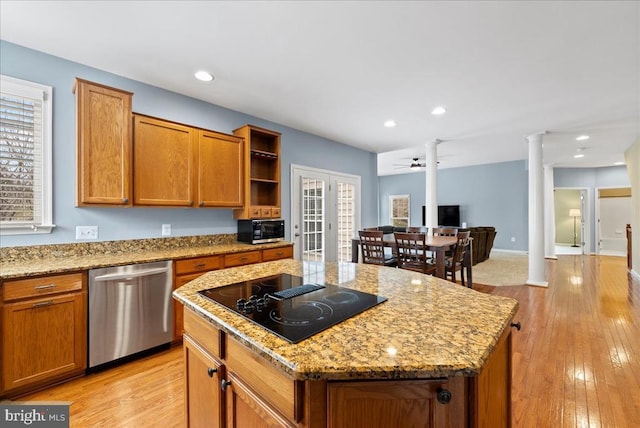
166,230
86,232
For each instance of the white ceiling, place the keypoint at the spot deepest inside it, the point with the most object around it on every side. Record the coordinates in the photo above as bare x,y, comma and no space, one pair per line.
340,69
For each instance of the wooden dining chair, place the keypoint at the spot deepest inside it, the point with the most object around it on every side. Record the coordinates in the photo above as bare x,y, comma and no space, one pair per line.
411,252
445,231
373,249
455,262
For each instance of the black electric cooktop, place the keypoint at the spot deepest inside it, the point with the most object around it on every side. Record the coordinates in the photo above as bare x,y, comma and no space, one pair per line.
290,308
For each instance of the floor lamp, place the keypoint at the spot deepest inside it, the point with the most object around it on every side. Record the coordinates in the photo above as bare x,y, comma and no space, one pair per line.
575,213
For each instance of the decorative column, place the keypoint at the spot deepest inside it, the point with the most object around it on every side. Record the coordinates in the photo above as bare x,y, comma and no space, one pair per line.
549,215
431,185
536,212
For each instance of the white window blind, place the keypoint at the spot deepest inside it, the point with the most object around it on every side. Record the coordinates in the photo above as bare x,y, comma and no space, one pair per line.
25,157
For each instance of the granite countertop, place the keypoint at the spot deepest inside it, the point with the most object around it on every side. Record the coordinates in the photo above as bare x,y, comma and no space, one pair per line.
52,259
427,328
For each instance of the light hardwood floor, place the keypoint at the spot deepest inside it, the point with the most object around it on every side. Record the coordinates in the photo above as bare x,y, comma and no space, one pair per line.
576,361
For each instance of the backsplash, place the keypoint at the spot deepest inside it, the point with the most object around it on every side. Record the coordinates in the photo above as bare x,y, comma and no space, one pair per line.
21,254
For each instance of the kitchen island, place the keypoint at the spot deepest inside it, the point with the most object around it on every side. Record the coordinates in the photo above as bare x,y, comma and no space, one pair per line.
433,354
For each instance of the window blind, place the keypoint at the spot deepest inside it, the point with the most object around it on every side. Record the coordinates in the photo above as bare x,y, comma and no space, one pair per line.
21,156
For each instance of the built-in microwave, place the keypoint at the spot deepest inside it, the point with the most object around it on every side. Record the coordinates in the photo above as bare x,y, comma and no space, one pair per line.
260,231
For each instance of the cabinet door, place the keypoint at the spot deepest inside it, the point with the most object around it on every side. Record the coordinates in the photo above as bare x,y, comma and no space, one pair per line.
204,405
163,163
104,145
246,409
43,339
395,404
220,170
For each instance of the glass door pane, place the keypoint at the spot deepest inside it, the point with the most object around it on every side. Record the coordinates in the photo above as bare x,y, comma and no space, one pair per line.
313,218
345,210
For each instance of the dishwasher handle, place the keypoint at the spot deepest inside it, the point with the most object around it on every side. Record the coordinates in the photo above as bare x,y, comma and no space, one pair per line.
136,274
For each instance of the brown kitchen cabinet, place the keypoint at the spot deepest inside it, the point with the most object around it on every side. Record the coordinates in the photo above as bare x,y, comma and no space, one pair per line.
44,331
220,170
204,397
184,271
104,138
179,165
164,159
262,174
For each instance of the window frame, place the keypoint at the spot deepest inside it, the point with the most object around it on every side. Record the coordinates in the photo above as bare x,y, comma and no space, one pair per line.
43,224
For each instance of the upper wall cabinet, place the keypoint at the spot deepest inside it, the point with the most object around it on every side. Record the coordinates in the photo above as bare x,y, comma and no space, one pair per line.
103,145
220,170
262,173
178,165
163,162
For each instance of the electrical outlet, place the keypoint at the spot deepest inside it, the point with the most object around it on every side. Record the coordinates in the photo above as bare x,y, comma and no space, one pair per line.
86,232
513,239
166,230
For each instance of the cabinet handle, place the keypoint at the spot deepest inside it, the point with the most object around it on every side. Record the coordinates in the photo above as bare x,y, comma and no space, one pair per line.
190,203
516,325
125,200
42,304
45,287
202,204
279,253
200,265
211,371
224,383
244,259
444,396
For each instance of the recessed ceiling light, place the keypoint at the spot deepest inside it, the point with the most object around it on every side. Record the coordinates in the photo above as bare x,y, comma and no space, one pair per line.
204,76
619,163
390,124
438,111
578,156
582,138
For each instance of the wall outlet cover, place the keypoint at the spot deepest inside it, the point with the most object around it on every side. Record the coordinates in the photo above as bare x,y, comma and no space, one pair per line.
86,232
166,230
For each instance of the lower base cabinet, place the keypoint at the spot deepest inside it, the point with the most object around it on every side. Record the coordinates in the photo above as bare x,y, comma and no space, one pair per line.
204,398
245,390
44,336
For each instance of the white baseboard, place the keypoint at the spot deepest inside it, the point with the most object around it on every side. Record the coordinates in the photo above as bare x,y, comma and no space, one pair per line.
500,250
635,274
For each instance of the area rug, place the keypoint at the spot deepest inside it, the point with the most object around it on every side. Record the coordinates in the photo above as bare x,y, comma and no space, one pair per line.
502,268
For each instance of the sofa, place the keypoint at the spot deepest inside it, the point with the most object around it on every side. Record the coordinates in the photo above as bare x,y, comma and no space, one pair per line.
483,237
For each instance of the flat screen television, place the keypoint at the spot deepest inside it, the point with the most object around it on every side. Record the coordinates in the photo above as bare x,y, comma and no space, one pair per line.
448,215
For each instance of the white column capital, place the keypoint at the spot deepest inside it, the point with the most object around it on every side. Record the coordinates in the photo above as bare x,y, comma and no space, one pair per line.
536,136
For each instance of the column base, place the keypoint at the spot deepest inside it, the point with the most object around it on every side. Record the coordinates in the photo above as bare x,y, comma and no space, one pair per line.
537,283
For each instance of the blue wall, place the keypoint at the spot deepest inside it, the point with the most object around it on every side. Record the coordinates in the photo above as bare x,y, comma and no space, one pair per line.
134,223
488,195
494,195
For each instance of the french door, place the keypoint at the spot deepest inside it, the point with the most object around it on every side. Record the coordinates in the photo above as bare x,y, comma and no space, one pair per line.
325,213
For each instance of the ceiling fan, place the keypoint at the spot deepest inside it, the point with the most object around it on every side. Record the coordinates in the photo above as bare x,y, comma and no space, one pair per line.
415,165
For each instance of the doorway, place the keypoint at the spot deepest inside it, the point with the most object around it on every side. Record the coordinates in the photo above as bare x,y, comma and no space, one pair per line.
613,211
571,216
325,213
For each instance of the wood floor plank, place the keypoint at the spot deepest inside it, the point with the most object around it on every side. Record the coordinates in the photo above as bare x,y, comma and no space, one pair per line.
576,360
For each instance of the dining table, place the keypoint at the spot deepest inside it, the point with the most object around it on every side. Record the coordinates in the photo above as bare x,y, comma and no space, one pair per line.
438,244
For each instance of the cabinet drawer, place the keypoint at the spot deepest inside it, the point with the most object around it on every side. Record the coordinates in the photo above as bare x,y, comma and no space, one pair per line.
254,212
198,264
277,253
36,287
266,212
275,212
209,337
275,387
239,259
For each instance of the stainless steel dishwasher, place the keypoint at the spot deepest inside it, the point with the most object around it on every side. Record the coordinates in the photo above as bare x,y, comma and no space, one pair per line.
130,310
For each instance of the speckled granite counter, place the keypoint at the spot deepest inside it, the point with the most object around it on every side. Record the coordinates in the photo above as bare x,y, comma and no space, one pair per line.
37,260
428,327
